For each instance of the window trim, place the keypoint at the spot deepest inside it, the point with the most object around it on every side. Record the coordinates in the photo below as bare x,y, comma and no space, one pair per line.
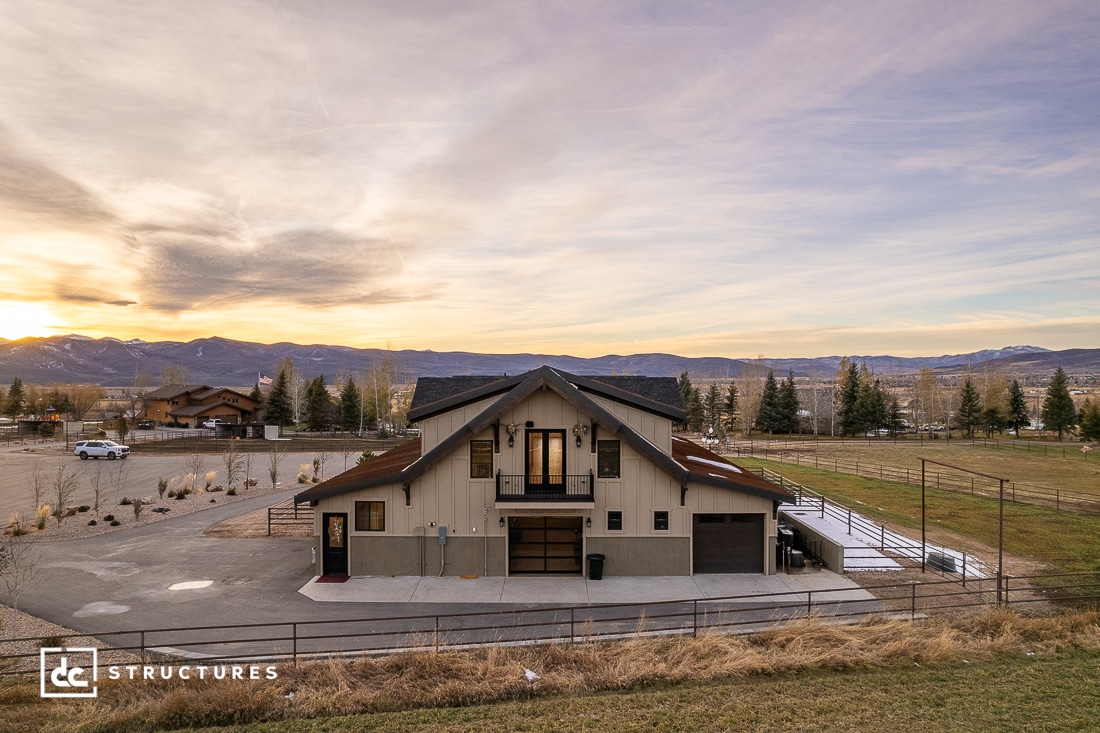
359,528
657,514
485,444
619,513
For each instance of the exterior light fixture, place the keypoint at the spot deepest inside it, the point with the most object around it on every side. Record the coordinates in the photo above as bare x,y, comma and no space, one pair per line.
511,428
501,520
578,431
588,523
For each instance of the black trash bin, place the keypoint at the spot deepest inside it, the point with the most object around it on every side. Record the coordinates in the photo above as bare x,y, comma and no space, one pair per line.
595,566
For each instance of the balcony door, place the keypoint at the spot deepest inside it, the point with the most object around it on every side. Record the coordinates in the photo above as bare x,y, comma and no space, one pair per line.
546,460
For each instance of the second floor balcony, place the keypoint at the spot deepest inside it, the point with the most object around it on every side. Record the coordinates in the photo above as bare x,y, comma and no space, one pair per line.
560,487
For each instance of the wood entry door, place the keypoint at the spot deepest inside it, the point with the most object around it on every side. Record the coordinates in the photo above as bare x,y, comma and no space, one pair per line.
334,544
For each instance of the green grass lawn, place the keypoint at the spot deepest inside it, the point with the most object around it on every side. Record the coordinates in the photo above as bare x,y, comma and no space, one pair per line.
1066,541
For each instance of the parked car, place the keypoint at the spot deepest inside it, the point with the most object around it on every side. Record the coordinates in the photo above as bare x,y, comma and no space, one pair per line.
214,423
146,425
97,448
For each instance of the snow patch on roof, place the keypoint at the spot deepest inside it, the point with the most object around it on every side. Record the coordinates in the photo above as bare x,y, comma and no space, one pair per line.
716,464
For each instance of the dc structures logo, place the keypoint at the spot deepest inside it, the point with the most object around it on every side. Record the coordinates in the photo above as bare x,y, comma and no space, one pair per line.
68,672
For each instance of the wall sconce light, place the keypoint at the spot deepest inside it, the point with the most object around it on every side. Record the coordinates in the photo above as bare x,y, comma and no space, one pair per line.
511,428
579,430
588,523
502,520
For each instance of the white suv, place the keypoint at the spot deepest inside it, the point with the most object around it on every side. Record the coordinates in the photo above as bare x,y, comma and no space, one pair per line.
97,448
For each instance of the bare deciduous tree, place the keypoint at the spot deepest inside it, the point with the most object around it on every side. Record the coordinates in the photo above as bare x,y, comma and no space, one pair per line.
234,464
18,571
37,481
319,461
120,480
195,463
273,465
247,468
96,482
65,485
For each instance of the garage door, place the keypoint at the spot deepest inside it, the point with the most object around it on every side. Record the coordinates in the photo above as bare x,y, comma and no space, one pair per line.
727,543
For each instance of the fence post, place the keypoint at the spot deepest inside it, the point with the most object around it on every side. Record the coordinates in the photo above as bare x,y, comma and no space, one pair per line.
849,521
882,538
435,635
572,628
964,570
809,603
294,638
143,647
913,603
1006,591
695,618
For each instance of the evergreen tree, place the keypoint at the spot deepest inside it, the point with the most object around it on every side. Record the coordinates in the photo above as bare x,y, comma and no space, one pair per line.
695,411
1090,420
317,403
712,409
869,412
1017,408
893,416
685,388
277,408
969,414
13,406
351,405
729,409
1058,411
993,421
770,415
788,405
848,395
257,396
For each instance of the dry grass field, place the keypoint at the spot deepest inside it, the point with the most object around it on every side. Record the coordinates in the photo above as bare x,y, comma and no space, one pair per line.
995,672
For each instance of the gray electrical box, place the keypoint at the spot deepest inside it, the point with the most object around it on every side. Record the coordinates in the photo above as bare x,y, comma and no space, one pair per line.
442,535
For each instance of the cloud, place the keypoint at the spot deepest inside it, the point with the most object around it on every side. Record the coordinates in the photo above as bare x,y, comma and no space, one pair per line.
303,267
31,190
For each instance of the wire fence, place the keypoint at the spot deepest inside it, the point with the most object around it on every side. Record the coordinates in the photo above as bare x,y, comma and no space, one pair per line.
938,477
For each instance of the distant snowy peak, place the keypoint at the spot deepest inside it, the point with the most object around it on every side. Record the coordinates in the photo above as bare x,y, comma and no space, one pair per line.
987,354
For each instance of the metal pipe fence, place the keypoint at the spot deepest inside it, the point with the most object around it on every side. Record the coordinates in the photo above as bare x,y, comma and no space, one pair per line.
291,641
940,479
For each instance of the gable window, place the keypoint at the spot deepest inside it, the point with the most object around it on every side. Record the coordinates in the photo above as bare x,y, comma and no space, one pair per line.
370,516
660,521
481,459
607,459
615,521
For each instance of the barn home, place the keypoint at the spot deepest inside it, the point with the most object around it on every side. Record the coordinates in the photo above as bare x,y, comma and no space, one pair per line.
532,473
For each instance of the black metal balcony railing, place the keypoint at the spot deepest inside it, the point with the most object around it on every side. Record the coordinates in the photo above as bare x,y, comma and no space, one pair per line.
574,487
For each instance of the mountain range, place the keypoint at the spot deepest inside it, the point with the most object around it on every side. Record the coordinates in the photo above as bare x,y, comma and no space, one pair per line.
112,362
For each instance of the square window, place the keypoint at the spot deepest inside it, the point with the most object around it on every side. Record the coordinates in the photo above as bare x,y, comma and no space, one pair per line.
615,521
607,459
660,521
370,516
481,459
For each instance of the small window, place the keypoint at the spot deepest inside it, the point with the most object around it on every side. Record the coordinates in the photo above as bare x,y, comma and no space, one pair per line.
615,521
481,459
660,521
607,459
370,516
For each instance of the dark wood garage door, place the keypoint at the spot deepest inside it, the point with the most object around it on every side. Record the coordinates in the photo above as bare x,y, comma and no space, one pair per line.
544,545
728,543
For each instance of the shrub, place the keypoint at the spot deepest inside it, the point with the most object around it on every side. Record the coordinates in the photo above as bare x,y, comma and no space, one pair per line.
109,518
115,523
51,641
92,523
126,501
231,492
83,508
45,430
162,486
181,493
41,515
210,479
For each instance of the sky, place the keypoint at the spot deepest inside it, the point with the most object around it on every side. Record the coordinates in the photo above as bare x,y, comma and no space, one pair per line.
705,179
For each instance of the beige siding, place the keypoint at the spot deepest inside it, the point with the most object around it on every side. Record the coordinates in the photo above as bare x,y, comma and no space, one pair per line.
445,495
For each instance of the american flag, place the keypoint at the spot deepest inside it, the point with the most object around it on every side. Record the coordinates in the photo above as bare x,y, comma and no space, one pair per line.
264,379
